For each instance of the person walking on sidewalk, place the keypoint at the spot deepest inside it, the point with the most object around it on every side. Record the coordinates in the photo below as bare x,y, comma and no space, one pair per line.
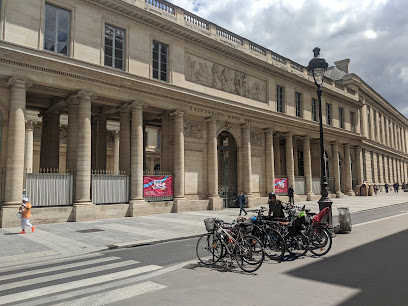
25,210
386,188
291,195
241,201
375,189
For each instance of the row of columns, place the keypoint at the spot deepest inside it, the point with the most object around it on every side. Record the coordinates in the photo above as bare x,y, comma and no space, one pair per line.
383,130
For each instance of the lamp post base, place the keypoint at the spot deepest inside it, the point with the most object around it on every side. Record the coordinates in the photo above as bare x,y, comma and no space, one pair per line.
323,203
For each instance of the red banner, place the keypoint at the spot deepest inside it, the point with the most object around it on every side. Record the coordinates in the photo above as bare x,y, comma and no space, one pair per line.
281,185
157,186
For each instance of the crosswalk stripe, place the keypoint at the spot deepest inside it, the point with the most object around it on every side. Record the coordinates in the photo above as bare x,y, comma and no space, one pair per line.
49,262
30,294
116,295
62,267
48,278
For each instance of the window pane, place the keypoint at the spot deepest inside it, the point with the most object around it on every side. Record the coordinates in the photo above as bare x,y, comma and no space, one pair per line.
118,64
163,76
118,53
155,56
155,74
163,49
108,50
50,27
156,65
49,45
155,46
163,68
108,61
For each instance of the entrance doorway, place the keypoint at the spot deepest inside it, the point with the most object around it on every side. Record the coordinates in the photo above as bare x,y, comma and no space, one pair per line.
227,168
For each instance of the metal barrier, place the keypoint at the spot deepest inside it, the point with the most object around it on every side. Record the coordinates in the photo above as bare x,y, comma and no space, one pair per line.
110,188
49,189
300,184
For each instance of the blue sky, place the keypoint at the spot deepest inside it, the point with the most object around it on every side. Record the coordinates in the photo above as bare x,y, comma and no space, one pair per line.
373,34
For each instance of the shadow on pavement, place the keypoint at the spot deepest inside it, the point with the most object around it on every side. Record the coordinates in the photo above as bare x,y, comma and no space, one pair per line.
378,269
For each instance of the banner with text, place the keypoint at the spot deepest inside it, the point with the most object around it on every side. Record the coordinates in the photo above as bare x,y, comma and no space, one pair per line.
157,186
281,185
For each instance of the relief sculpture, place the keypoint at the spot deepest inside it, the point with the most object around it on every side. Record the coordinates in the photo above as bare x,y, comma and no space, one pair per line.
213,75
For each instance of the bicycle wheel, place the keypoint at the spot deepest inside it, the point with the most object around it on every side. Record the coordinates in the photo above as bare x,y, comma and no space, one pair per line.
209,249
274,244
298,244
320,240
249,253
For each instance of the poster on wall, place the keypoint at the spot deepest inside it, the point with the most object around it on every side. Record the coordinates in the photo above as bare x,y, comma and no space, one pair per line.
281,185
157,186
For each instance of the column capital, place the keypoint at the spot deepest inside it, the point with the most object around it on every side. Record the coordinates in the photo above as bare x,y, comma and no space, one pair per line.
334,142
116,134
29,125
288,134
137,105
19,83
212,119
72,100
177,113
268,130
125,108
85,94
245,126
305,137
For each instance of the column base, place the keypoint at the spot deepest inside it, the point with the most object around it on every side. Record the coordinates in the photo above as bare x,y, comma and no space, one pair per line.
8,216
309,196
84,211
351,193
215,203
339,194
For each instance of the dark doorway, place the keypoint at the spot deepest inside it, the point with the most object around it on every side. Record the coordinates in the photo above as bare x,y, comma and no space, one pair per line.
227,168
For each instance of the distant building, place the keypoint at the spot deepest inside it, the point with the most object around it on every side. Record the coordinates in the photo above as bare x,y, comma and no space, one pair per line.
95,94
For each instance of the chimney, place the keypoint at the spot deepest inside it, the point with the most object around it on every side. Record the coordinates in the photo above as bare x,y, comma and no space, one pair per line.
343,65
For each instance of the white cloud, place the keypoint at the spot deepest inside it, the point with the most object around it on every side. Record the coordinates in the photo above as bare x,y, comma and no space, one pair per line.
372,33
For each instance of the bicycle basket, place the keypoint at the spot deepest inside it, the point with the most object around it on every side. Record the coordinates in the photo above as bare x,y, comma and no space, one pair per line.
209,224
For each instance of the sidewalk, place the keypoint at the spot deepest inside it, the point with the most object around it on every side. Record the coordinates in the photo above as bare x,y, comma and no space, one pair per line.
70,239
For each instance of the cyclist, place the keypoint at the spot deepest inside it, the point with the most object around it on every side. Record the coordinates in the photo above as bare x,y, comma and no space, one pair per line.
275,206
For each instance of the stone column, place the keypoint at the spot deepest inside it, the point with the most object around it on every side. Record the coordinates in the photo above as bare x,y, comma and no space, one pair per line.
290,173
15,147
124,144
348,175
116,153
386,177
165,146
29,139
277,158
178,154
246,160
101,143
136,182
359,164
44,141
269,161
215,202
72,134
381,169
375,170
363,120
3,144
378,125
395,140
382,130
307,167
386,132
83,176
372,122
336,170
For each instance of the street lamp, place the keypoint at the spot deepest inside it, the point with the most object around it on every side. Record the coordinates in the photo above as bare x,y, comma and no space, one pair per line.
317,66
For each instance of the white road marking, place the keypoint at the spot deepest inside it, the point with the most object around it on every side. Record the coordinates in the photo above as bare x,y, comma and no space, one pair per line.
377,220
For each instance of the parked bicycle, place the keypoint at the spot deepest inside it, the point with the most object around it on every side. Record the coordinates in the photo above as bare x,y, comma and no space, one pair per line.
231,240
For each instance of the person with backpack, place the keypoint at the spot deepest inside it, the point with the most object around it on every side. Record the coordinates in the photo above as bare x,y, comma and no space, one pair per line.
242,200
275,206
25,210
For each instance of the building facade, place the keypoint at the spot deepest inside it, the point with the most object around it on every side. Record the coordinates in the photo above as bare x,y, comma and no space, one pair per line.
91,88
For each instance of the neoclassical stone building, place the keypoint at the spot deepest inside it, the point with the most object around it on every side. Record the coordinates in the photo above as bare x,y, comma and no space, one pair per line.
96,91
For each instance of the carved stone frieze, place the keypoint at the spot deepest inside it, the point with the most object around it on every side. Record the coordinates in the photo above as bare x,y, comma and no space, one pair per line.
201,71
193,128
255,137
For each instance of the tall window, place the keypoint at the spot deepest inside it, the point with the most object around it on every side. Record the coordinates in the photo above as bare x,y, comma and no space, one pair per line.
279,99
341,117
114,46
328,114
385,129
353,121
298,98
160,54
56,32
380,126
375,125
364,166
301,167
314,109
369,123
372,166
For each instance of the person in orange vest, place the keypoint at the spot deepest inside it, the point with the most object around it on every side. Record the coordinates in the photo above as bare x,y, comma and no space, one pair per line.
25,210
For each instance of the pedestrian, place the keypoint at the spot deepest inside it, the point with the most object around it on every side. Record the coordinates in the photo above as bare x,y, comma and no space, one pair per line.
25,210
397,186
404,186
275,206
386,187
375,189
291,195
242,200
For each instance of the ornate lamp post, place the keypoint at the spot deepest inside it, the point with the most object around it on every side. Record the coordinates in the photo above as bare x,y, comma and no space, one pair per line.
317,66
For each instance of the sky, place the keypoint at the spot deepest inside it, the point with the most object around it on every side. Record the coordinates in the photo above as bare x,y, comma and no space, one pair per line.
373,34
